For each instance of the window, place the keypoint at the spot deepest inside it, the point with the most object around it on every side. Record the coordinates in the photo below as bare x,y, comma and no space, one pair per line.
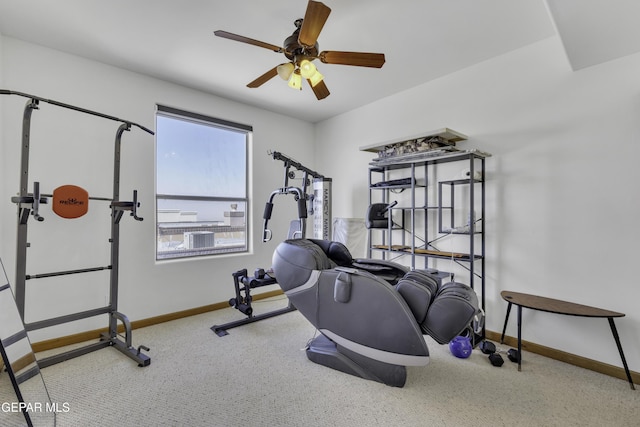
201,185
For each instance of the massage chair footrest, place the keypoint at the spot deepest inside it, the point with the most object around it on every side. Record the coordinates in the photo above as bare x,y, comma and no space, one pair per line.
451,312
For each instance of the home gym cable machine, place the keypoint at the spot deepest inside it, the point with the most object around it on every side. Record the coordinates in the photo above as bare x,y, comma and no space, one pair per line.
29,204
316,203
320,199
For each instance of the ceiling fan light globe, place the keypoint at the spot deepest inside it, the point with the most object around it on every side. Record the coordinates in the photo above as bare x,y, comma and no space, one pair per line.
295,82
285,70
307,69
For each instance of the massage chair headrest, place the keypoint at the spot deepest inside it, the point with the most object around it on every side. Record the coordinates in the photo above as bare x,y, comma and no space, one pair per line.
336,251
295,259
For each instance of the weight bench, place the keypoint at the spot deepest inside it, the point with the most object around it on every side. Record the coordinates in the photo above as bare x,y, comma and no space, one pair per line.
550,305
244,283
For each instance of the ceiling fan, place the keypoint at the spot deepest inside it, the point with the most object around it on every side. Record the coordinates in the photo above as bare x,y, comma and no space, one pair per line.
301,49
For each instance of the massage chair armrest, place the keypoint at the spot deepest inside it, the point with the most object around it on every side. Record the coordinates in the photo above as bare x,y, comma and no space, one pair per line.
386,270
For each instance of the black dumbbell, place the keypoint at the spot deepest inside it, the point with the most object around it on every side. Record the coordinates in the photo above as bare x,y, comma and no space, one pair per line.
489,348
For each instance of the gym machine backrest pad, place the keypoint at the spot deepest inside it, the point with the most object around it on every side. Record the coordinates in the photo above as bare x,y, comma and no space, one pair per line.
70,201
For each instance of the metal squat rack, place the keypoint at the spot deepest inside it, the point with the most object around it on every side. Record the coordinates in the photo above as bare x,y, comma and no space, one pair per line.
29,204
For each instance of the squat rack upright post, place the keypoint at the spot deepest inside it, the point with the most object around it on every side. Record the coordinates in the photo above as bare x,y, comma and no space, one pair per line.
29,204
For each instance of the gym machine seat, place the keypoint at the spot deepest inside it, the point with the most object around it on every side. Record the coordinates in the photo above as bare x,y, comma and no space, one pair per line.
369,327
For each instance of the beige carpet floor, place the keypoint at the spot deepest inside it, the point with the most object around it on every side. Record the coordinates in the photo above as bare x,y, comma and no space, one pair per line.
259,375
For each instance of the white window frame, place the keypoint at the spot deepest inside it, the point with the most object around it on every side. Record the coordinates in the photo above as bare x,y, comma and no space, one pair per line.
197,236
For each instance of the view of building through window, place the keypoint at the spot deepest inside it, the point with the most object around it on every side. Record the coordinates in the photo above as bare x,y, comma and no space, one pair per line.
201,185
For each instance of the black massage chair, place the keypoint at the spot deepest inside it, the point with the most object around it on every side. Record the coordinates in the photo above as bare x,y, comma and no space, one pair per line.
372,314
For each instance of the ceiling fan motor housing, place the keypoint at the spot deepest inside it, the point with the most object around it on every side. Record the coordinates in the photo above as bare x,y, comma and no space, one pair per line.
294,51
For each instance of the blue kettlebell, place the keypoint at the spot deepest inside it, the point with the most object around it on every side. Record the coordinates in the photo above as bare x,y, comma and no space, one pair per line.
461,347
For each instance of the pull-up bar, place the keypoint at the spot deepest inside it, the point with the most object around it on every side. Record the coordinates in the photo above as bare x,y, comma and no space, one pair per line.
73,107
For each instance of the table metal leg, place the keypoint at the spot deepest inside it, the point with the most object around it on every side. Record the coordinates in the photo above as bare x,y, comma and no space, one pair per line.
519,337
624,361
506,319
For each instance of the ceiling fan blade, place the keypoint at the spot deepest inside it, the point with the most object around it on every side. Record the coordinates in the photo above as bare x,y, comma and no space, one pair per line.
320,89
314,19
264,78
359,59
243,39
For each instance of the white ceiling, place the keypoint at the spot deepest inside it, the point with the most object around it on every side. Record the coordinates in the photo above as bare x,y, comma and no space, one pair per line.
595,31
173,40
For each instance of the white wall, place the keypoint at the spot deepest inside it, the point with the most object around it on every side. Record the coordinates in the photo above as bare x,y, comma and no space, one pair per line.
562,204
73,148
